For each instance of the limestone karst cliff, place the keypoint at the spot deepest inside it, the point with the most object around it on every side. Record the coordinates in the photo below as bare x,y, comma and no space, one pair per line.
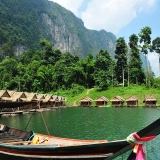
25,23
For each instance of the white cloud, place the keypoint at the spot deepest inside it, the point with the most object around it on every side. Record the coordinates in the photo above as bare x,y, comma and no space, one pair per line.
71,5
112,15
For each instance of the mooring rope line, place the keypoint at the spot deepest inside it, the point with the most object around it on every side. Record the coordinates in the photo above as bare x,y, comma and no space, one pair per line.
28,121
45,124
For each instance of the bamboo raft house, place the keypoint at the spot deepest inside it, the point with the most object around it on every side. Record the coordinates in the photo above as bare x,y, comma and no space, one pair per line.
47,101
101,101
86,101
150,101
60,101
32,97
132,101
117,101
13,102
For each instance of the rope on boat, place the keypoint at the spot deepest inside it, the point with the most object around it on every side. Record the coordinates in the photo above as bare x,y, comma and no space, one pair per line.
43,121
29,121
45,124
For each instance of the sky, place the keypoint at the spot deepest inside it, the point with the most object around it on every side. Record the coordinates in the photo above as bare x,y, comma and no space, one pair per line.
121,17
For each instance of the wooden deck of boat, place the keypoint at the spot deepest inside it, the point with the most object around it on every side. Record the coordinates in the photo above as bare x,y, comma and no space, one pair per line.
16,135
41,139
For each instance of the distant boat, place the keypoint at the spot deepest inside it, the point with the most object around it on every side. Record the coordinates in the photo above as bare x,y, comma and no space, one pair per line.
17,144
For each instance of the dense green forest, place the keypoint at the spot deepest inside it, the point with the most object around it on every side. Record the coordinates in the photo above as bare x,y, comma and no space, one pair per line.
49,70
18,23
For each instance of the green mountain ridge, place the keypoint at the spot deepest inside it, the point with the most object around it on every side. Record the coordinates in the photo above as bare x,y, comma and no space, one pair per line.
25,23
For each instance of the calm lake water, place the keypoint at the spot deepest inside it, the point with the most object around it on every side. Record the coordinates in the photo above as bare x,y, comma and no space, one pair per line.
92,123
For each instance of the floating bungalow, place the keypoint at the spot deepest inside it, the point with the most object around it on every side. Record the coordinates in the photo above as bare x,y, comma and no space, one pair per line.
132,101
14,102
32,97
150,101
48,101
54,101
61,101
101,101
86,101
117,101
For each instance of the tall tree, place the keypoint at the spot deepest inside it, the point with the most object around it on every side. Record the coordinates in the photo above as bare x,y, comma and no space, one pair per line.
88,67
8,69
156,48
135,63
121,56
145,40
103,70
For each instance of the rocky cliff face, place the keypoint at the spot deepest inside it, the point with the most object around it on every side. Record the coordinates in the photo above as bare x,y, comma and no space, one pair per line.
25,23
59,35
67,33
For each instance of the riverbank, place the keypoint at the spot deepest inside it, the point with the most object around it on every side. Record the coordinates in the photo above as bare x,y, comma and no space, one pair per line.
134,90
27,111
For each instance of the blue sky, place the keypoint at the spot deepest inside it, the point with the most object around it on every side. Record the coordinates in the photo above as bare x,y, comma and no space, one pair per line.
121,17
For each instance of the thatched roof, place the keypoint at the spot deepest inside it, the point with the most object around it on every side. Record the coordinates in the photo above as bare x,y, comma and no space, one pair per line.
117,98
48,97
149,98
132,98
54,98
4,93
86,99
31,96
57,99
60,98
6,98
101,99
19,95
40,96
64,99
11,92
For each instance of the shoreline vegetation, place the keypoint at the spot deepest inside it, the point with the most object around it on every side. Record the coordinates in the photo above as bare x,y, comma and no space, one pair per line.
138,91
134,90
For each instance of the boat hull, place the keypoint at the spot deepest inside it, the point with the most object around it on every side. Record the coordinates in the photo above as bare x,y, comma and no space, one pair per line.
40,152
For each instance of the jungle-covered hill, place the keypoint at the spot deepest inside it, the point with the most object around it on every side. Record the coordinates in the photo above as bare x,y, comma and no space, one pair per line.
23,23
59,53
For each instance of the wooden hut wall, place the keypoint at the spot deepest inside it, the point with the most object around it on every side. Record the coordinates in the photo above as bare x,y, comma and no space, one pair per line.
117,103
85,103
132,103
150,103
101,103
